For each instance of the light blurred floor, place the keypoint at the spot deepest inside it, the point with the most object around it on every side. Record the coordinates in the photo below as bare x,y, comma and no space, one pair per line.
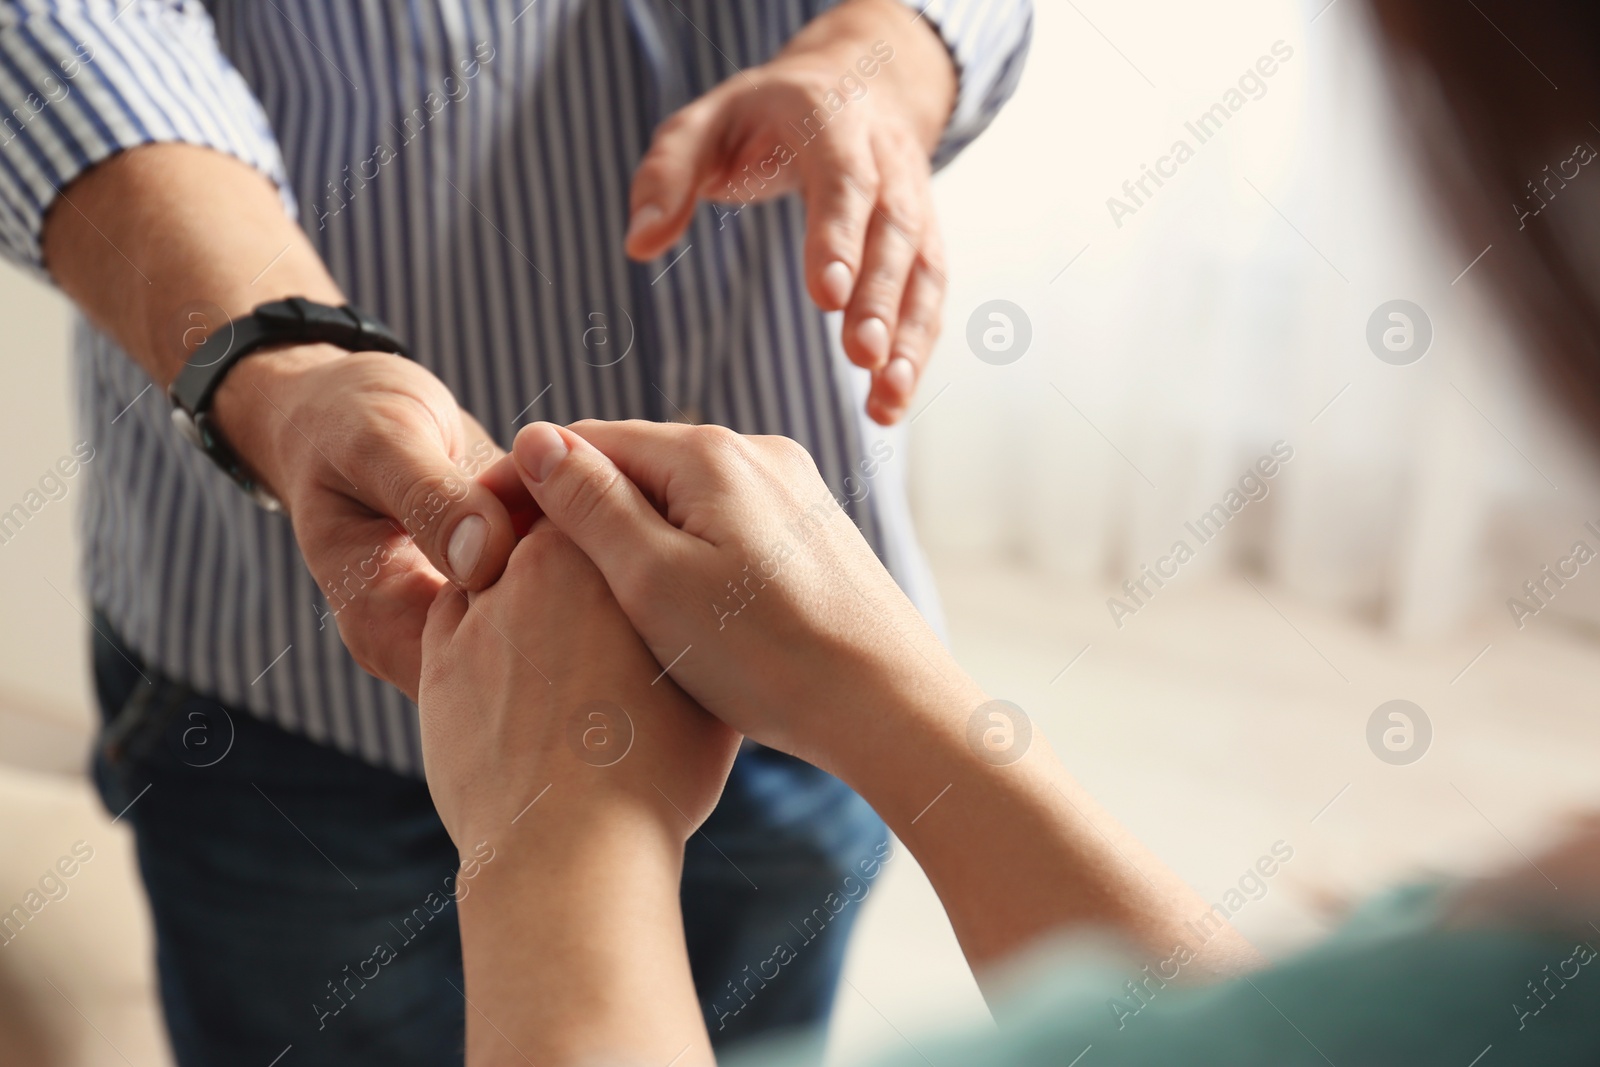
1219,720
77,979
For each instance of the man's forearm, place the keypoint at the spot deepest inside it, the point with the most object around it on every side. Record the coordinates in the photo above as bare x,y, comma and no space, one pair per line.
154,242
162,244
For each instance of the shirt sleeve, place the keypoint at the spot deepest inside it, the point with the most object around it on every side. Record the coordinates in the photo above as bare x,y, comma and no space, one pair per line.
988,41
81,80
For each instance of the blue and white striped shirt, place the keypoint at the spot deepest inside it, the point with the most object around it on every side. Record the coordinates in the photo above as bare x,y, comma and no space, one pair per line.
463,168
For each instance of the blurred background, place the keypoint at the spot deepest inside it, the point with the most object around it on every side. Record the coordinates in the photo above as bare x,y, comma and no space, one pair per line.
1148,355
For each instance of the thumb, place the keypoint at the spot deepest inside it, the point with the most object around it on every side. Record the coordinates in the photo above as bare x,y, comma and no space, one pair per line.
580,490
682,157
460,525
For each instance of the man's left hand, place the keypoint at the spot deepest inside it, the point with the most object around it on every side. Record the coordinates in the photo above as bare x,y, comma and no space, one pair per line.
847,115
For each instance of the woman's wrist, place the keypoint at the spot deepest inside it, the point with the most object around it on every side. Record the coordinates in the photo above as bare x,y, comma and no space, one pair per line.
558,857
1013,845
901,726
601,896
570,822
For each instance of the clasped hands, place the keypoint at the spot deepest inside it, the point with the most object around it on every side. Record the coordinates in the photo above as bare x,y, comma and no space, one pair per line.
580,715
374,459
677,586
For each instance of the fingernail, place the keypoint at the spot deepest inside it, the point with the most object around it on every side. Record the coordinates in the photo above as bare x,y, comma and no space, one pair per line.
836,279
901,376
538,449
466,545
874,337
643,219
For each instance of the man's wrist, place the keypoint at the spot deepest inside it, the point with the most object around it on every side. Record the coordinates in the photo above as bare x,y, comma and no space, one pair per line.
249,406
920,74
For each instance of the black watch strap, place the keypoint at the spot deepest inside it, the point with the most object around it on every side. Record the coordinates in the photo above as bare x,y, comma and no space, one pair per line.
282,322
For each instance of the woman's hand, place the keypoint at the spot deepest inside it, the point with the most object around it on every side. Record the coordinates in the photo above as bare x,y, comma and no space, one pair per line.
755,590
540,683
762,599
551,735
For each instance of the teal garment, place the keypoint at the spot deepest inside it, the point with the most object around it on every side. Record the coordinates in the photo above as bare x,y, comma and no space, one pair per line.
1394,986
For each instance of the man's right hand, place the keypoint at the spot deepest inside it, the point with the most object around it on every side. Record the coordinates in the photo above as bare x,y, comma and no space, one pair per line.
370,454
374,462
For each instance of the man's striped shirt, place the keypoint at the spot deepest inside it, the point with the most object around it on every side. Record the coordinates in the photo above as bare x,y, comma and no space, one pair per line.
463,168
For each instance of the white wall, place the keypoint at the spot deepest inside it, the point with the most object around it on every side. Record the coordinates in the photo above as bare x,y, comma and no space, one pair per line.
1225,314
43,643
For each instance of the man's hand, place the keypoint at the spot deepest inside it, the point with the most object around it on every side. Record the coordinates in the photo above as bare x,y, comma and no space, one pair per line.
369,452
846,115
375,464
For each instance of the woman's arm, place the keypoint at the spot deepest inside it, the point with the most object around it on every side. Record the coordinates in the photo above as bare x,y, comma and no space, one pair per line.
776,616
573,947
569,781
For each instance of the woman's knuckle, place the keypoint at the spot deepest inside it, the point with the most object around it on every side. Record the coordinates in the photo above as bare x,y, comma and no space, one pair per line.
585,497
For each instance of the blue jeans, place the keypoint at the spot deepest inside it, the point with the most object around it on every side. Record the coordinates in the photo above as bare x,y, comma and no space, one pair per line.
277,867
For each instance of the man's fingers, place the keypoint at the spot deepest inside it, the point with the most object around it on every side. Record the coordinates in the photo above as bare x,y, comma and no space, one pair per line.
839,193
378,588
894,386
384,630
591,501
449,607
666,186
894,237
504,480
459,524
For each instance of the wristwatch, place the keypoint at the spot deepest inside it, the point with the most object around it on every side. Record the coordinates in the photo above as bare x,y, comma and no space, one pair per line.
282,322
